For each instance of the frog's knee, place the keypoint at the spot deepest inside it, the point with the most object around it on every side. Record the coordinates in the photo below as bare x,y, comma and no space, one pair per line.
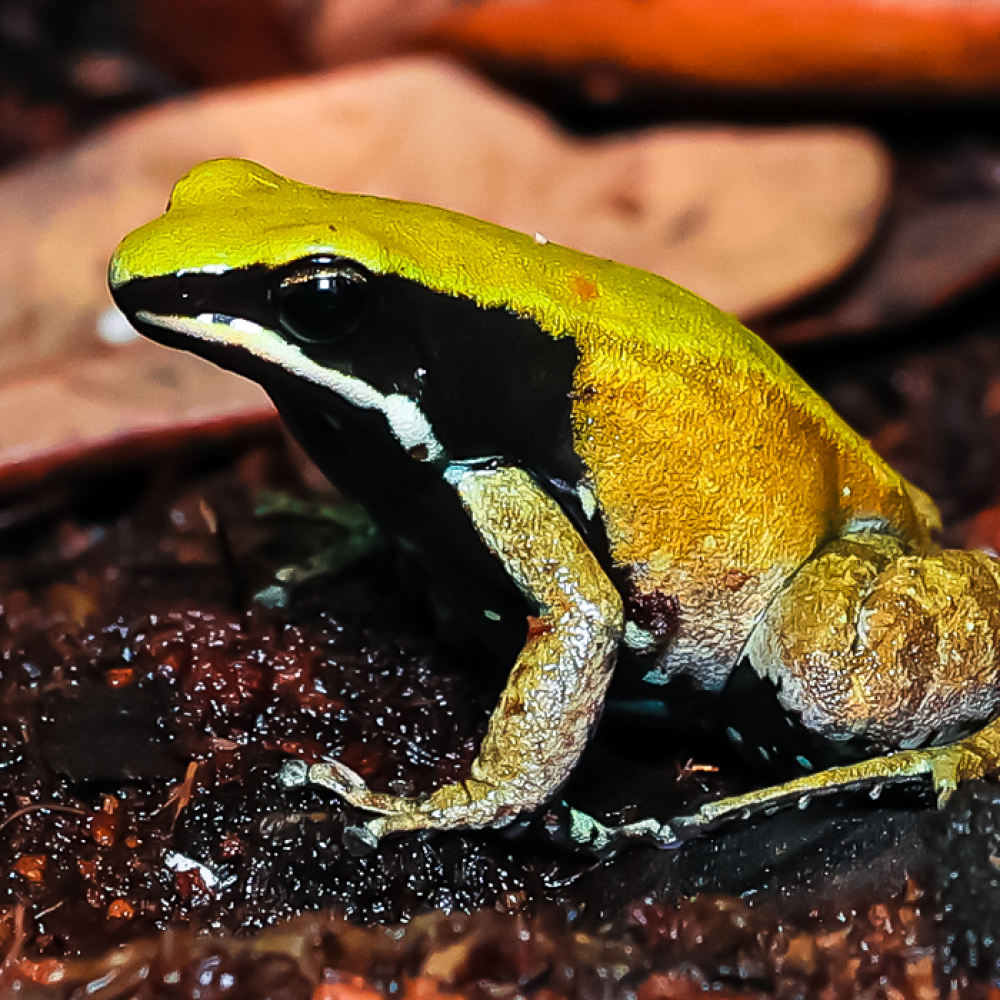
873,640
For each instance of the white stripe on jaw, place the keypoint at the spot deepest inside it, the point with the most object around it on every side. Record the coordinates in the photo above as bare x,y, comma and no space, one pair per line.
407,421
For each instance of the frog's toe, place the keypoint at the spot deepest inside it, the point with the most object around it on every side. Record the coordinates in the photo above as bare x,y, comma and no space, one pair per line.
949,766
338,777
361,840
586,831
348,784
972,758
395,812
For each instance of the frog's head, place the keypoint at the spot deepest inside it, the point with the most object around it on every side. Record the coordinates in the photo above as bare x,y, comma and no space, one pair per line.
387,320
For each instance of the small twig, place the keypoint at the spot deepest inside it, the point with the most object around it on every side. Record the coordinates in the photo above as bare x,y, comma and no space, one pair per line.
46,912
180,795
17,943
42,807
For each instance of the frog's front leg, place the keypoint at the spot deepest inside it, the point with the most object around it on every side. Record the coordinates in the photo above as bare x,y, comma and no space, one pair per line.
557,686
901,649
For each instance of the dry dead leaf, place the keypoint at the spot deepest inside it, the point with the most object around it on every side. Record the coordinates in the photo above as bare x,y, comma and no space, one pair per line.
941,239
746,218
335,32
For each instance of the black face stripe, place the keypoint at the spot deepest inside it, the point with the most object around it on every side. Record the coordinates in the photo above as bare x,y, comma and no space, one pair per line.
491,383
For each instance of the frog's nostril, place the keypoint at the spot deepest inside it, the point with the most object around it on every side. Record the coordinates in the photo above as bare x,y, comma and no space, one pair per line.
193,299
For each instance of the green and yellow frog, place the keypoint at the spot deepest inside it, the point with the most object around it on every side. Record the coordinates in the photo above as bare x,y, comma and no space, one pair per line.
596,457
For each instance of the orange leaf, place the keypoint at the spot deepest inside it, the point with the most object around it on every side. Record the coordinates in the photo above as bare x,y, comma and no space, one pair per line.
844,45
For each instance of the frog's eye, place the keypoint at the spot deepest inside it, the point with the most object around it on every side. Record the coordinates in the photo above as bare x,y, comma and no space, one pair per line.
322,301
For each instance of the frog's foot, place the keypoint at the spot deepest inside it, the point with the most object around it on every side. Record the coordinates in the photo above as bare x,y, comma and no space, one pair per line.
586,831
349,786
469,803
946,766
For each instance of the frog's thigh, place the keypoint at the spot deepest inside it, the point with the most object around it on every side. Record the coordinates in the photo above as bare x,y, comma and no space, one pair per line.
557,686
872,640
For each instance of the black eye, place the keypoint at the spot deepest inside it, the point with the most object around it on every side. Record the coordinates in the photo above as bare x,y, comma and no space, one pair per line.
323,301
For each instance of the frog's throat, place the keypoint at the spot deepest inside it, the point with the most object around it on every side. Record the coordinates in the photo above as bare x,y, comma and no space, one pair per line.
408,423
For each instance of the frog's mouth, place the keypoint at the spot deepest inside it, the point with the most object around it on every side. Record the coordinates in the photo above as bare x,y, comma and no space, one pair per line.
174,311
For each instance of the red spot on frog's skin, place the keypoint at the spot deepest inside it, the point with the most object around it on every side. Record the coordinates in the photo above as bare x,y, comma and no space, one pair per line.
583,287
537,627
735,579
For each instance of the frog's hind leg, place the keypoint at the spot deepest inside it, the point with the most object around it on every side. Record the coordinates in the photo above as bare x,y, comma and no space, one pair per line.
946,766
873,640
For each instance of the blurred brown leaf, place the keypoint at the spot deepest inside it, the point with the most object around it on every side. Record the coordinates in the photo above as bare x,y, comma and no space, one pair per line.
942,238
334,32
746,218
